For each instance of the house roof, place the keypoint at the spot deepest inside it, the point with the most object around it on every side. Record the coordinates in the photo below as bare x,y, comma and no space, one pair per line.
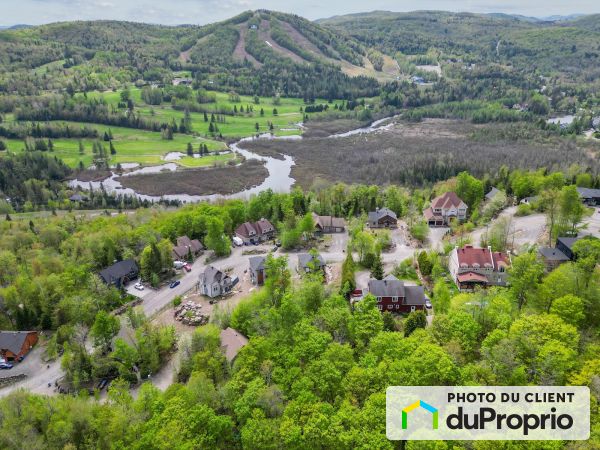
390,286
429,215
118,270
13,340
212,275
529,199
77,198
257,262
380,213
232,341
415,295
248,229
552,254
305,258
194,244
447,200
329,221
472,277
588,193
568,242
474,257
490,195
264,226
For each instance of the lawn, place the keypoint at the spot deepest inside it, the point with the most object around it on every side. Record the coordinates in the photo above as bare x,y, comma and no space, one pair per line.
240,125
149,148
131,145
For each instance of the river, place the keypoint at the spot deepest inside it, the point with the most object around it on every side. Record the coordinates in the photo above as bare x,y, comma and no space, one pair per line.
279,177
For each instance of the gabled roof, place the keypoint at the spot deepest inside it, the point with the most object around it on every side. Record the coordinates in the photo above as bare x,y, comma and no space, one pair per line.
264,226
329,221
13,340
588,193
447,200
568,242
212,275
415,295
248,229
257,262
232,341
380,213
305,258
390,286
490,195
118,270
474,257
552,254
194,244
429,215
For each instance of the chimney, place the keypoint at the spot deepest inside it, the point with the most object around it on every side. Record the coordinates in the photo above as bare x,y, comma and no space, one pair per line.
491,257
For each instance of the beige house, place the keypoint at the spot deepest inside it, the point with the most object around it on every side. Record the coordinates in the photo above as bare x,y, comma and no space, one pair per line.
444,208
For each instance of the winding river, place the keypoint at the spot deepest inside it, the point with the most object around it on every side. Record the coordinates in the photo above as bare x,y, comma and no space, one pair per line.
278,179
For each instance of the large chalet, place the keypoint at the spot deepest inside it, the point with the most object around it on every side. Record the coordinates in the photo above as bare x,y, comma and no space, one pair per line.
444,208
471,266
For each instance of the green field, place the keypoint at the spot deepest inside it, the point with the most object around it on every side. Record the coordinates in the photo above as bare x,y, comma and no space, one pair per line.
136,146
241,125
149,148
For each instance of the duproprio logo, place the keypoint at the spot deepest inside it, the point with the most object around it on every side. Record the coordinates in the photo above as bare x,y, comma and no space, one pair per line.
426,407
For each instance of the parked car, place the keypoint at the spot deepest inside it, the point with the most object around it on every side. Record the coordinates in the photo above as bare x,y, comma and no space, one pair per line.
6,366
188,267
178,264
274,249
139,286
174,284
428,304
102,384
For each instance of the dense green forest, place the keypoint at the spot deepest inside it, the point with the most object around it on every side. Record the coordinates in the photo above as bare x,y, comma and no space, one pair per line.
315,371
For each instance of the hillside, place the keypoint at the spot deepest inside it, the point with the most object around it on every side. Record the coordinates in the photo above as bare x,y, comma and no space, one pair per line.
568,48
260,52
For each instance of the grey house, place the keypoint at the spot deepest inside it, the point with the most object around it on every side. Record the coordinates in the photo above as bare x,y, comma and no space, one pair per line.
382,218
308,263
590,197
120,273
214,283
257,270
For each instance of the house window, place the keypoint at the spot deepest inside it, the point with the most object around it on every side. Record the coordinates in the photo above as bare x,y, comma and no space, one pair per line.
390,306
394,299
380,307
412,308
397,306
379,299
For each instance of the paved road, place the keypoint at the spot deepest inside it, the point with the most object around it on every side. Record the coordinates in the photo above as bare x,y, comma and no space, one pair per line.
38,374
523,230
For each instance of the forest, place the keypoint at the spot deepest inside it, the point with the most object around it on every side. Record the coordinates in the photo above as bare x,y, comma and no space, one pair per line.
315,370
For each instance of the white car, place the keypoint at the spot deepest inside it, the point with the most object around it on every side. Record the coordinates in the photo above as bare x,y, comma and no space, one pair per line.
139,286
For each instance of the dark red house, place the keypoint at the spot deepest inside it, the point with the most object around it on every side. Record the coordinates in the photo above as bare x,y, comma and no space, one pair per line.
393,296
